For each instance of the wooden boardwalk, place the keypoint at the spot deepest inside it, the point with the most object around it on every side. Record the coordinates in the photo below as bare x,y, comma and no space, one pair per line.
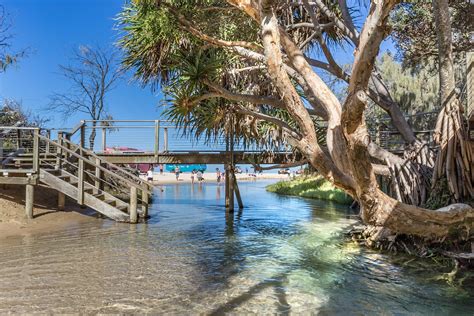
86,163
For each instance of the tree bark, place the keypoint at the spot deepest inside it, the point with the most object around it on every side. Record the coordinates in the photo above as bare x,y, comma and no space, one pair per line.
358,179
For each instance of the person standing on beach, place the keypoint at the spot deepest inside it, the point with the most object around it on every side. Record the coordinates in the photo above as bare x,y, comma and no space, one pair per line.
177,172
192,176
219,175
161,169
149,174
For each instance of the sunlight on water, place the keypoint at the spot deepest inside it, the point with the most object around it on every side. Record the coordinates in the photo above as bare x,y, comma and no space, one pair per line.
279,255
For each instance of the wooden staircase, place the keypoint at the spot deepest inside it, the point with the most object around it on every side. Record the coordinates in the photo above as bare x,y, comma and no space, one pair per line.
78,173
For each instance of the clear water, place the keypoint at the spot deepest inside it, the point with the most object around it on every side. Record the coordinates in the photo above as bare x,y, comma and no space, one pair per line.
280,255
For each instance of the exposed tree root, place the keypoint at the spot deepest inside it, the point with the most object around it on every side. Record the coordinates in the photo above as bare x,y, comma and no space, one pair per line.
459,251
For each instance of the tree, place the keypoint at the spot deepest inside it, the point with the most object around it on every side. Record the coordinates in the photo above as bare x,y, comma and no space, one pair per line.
454,160
415,33
7,57
13,113
92,74
250,62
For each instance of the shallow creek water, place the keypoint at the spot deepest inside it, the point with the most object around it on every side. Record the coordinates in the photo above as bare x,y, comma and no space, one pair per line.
280,255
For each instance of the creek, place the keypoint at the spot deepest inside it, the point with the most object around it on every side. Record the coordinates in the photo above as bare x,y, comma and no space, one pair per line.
279,255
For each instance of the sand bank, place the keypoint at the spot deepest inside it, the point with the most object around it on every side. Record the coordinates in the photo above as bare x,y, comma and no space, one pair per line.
46,216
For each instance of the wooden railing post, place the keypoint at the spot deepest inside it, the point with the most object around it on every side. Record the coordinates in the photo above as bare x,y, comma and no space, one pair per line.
133,205
98,176
80,184
165,139
48,135
104,139
83,134
36,157
157,137
59,151
18,138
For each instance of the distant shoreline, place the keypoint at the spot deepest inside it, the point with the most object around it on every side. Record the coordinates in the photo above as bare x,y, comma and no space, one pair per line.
210,177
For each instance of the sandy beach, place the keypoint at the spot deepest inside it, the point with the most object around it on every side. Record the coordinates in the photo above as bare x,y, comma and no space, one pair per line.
46,216
211,177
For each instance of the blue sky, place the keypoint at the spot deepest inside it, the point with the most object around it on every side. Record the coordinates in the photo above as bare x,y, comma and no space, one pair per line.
51,29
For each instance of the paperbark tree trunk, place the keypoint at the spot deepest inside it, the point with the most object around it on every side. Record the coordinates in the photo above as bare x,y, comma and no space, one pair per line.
377,208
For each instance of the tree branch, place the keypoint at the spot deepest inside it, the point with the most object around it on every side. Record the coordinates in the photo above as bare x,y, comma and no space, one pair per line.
188,26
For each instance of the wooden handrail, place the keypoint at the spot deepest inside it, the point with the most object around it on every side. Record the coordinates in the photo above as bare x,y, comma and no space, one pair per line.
76,128
92,154
74,154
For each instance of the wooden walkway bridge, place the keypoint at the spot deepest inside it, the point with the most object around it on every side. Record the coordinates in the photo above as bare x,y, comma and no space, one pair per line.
92,173
86,163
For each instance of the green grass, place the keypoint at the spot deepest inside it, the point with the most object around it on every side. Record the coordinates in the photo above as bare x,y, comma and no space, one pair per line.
313,187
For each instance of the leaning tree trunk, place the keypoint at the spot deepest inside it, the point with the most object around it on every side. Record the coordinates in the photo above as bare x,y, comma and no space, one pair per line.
454,160
377,209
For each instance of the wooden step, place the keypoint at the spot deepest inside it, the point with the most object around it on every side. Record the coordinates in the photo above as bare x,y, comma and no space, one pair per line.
110,201
123,208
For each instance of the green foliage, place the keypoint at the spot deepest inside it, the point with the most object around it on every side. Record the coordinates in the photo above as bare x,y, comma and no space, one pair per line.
313,187
415,35
415,90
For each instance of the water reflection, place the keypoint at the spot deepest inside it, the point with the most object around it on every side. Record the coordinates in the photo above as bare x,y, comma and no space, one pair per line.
278,255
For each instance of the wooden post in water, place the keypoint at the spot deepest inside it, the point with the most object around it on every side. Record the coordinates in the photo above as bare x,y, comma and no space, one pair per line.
133,205
237,191
29,199
227,175
231,189
226,184
145,197
61,201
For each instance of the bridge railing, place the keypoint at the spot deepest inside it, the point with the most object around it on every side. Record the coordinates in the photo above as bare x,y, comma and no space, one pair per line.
147,136
16,141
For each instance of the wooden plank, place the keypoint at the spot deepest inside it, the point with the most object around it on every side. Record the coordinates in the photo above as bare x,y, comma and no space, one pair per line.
89,200
16,180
